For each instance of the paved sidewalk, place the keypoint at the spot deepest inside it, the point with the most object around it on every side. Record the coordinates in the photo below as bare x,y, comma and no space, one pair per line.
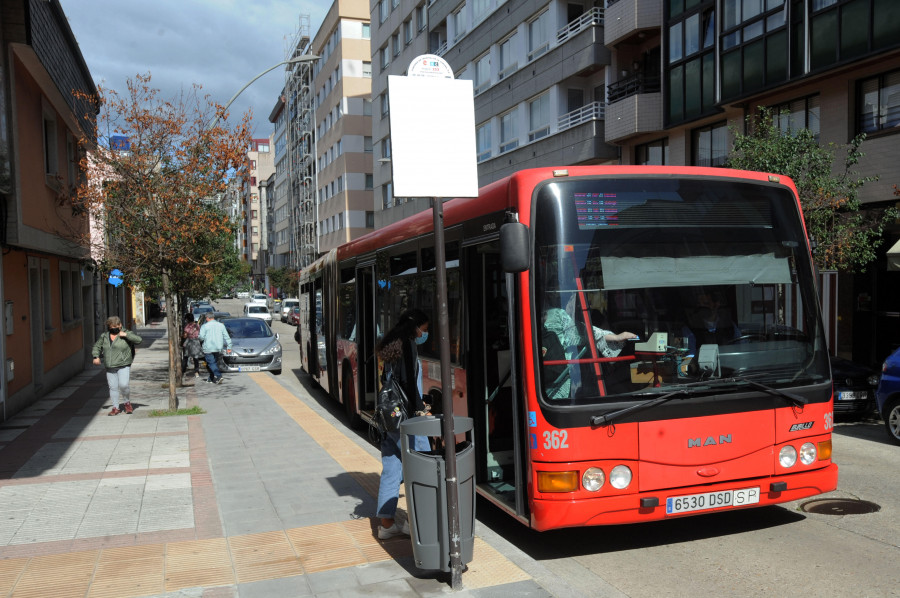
263,495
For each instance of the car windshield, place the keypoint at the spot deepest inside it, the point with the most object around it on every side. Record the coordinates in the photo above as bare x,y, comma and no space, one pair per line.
258,309
249,328
202,309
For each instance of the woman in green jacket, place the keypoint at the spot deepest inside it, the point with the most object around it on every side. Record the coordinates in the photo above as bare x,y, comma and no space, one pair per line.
116,350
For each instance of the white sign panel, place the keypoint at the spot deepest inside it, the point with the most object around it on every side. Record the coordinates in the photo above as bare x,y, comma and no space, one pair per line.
432,137
429,65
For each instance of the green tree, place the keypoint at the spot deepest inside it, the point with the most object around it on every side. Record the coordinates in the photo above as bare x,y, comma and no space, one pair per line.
846,237
153,199
285,279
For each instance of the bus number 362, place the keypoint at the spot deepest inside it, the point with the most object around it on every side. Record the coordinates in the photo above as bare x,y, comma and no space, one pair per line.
556,439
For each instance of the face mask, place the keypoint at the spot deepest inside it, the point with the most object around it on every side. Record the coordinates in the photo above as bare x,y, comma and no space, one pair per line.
114,330
420,340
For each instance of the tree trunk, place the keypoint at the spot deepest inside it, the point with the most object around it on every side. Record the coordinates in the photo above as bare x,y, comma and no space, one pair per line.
174,337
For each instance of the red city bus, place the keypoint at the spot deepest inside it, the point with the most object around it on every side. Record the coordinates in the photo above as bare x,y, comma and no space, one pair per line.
723,400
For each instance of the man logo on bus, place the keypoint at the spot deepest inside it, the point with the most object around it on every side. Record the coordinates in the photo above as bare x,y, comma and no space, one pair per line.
697,442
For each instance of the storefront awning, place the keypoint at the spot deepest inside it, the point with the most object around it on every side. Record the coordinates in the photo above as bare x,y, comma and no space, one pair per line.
893,258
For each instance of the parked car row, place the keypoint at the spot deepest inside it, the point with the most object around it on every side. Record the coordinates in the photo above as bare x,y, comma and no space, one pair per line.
887,395
859,390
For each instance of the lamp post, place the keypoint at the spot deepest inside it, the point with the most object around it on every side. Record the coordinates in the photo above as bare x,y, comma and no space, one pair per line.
294,60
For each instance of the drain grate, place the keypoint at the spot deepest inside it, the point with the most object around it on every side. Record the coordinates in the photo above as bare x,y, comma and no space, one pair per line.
840,506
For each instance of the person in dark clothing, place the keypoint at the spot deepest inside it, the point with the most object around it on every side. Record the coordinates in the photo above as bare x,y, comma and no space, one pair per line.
709,323
398,350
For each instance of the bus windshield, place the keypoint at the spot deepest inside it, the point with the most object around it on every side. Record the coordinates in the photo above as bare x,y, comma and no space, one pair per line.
642,284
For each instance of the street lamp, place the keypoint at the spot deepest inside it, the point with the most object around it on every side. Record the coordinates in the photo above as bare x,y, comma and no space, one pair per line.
294,60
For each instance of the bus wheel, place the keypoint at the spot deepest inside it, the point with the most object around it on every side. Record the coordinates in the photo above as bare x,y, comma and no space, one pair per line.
348,392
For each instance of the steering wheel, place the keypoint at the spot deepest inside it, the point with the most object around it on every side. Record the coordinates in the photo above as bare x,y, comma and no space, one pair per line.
746,338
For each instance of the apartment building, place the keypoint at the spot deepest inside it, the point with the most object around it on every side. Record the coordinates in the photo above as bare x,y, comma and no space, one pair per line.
260,163
399,34
278,205
343,123
52,298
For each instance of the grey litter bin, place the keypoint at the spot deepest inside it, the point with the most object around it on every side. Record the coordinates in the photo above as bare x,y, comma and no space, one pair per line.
424,476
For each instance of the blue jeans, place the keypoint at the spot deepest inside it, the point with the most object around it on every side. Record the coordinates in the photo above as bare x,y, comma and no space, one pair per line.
392,471
213,365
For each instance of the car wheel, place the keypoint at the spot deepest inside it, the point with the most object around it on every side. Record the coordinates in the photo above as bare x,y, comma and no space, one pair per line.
892,419
276,372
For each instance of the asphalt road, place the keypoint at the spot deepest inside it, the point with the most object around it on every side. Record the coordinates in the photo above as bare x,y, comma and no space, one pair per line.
772,551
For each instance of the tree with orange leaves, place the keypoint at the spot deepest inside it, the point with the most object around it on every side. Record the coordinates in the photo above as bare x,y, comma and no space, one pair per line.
155,172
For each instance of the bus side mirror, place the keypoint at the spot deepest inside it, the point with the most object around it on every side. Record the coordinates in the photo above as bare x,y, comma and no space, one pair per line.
515,251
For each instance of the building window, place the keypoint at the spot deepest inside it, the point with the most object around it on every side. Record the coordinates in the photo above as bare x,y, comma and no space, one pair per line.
367,144
370,219
385,104
367,107
51,158
539,35
385,57
387,195
370,181
480,9
754,44
395,44
483,141
692,67
709,145
421,21
539,117
384,9
459,23
508,62
878,103
797,115
367,69
254,214
407,32
386,148
366,31
509,139
482,73
655,153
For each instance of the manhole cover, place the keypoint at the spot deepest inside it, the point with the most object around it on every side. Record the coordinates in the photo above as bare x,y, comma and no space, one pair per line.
839,506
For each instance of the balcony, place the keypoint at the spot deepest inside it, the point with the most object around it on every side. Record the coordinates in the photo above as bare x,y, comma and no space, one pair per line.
588,112
592,17
634,106
628,18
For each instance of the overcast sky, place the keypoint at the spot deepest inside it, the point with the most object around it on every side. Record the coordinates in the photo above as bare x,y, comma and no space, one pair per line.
219,44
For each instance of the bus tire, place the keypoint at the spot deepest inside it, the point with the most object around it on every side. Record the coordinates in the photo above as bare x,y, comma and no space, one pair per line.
348,393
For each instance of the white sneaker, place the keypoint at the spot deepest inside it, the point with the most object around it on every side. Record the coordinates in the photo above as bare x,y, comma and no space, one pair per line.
385,533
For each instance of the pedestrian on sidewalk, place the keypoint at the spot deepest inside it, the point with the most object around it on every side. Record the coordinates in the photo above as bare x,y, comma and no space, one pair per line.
115,351
215,339
192,348
398,350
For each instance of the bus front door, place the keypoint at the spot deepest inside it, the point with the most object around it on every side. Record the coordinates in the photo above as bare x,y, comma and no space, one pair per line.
491,379
366,325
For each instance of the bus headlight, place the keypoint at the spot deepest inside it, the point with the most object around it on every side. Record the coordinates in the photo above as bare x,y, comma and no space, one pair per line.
593,479
807,453
620,477
787,456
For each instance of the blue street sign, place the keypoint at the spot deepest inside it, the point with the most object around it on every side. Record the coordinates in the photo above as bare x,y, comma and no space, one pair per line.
115,277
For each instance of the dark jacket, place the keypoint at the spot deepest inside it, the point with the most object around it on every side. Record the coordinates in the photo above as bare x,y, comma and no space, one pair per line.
402,359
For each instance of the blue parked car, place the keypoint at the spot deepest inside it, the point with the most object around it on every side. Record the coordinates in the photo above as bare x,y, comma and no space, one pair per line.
887,395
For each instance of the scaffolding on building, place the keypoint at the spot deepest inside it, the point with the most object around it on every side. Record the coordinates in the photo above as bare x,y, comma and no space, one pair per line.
301,149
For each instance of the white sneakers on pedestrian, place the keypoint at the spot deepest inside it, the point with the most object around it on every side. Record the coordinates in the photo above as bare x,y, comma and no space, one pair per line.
393,531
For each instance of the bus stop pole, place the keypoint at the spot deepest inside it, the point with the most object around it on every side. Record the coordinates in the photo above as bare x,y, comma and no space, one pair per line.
449,436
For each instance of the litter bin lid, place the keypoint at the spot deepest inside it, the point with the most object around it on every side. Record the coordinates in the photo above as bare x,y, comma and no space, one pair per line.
431,425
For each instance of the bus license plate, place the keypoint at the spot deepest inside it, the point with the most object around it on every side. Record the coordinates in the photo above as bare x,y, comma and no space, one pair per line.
711,500
248,368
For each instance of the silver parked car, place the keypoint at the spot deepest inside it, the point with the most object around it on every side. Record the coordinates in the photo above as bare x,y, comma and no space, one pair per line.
255,348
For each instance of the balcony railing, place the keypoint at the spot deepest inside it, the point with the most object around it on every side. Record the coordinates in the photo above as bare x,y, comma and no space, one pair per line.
441,50
588,19
632,85
588,112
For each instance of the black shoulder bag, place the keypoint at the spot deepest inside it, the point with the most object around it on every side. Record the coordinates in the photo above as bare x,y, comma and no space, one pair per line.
393,407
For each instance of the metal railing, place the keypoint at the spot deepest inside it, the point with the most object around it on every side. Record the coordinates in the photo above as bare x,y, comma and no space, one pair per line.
632,85
592,17
588,112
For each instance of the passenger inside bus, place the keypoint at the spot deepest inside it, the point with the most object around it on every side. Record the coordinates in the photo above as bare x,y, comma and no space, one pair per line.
562,341
709,321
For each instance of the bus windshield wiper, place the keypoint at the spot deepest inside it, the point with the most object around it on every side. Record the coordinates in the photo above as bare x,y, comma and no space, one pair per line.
794,398
684,391
689,390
